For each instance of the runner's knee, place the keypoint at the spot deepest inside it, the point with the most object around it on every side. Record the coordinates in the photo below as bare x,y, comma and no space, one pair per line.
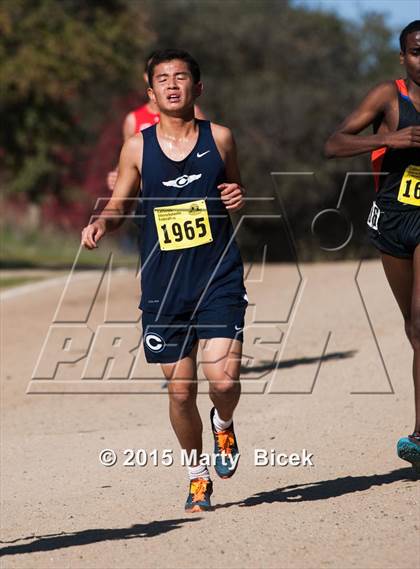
225,387
183,395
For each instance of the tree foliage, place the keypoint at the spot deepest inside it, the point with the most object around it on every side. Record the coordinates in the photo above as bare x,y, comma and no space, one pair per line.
60,62
281,76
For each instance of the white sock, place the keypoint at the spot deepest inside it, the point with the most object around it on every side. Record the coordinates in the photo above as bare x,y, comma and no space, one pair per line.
219,424
199,471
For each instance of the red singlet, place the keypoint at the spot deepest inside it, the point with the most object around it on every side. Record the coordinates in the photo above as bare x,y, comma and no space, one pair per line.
144,118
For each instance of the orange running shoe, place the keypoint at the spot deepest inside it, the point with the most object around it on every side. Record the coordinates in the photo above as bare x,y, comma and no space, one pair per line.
225,449
199,496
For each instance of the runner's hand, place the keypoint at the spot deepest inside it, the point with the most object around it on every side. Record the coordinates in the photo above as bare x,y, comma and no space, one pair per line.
112,179
232,196
408,137
92,233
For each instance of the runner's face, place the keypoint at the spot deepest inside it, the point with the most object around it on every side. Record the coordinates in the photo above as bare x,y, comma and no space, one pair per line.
411,57
173,86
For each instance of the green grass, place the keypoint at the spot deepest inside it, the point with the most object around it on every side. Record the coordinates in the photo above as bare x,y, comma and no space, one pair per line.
57,250
8,282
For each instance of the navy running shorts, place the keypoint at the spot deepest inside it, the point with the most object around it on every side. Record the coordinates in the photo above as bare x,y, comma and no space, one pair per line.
168,338
394,232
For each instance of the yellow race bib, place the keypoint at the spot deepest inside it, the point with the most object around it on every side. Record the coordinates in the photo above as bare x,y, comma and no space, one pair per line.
409,191
183,226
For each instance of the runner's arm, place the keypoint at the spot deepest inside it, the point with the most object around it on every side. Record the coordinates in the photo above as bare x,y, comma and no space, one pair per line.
345,141
232,192
129,129
121,202
129,126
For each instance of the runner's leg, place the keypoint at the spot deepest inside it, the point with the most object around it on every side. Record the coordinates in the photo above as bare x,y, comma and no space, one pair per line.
221,366
400,275
183,411
186,422
415,332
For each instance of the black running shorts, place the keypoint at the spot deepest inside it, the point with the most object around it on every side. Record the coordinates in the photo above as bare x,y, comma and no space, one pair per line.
396,233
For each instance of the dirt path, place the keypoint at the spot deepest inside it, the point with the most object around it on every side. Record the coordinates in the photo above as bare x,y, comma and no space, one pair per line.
356,507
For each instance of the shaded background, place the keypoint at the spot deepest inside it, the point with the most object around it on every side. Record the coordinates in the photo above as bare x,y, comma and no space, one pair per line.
281,74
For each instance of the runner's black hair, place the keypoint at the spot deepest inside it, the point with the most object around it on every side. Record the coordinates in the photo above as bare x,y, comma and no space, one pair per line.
413,26
169,55
149,59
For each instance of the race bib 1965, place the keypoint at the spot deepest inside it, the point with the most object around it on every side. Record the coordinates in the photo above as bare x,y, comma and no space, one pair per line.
183,226
410,186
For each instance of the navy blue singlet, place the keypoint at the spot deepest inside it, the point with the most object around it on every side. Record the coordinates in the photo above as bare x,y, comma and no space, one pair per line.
181,280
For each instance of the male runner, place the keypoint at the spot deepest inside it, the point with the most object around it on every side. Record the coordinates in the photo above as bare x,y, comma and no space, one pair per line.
192,272
139,119
393,108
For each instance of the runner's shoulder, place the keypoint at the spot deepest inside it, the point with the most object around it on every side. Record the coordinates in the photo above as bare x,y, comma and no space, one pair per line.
133,146
222,135
129,125
130,118
383,93
387,87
